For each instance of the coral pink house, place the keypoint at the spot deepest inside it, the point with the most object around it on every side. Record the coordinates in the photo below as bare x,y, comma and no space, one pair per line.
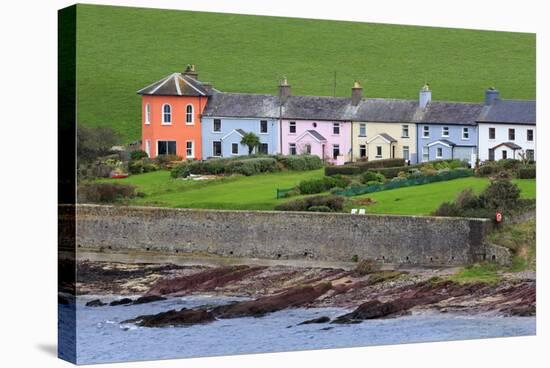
171,115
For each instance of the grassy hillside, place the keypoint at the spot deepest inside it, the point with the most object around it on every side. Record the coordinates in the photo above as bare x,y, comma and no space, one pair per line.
123,49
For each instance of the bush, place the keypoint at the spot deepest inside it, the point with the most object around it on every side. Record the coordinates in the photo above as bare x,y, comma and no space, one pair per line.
371,176
94,142
104,192
366,267
180,171
527,172
314,186
164,160
342,170
319,209
390,162
501,194
300,162
447,209
252,166
509,164
335,203
138,155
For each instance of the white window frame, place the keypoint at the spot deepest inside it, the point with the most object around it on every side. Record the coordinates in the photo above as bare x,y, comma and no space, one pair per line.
334,127
362,147
509,131
192,155
363,128
405,128
148,147
291,124
437,151
489,133
425,129
532,135
232,146
266,127
213,150
214,126
445,131
466,136
292,146
164,122
408,155
147,113
192,122
425,154
161,140
336,147
381,152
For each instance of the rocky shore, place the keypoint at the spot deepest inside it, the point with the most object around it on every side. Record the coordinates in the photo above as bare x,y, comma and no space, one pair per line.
373,294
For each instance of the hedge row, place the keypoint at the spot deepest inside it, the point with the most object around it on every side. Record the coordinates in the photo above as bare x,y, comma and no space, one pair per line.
328,203
529,172
323,184
246,167
362,166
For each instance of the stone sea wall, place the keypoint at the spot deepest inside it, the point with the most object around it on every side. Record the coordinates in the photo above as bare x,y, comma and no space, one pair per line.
414,240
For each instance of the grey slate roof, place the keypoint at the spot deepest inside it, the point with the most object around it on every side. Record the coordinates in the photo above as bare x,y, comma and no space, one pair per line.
177,84
317,135
510,111
446,141
242,105
386,110
317,108
451,113
388,137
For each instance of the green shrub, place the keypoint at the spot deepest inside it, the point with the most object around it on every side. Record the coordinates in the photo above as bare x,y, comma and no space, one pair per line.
371,176
335,203
104,192
252,166
341,170
300,162
180,171
319,209
366,267
138,155
165,160
501,194
509,164
529,172
314,186
390,162
142,165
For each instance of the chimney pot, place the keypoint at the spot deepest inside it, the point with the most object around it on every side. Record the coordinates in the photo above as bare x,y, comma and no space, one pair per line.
190,71
491,94
284,90
425,96
356,93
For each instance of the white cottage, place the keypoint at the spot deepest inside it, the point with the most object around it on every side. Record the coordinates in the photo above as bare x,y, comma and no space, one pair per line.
507,128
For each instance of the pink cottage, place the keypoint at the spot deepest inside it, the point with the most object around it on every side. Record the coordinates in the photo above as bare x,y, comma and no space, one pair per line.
315,125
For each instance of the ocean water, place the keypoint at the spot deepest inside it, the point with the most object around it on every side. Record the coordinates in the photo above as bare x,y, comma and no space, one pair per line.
101,338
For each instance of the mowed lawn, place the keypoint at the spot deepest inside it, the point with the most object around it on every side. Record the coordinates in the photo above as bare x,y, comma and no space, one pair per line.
240,192
424,199
123,49
259,192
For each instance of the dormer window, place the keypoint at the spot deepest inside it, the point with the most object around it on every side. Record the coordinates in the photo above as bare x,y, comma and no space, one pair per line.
189,115
166,114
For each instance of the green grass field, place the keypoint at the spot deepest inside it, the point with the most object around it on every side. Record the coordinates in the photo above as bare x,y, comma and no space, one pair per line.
424,199
259,192
120,50
239,192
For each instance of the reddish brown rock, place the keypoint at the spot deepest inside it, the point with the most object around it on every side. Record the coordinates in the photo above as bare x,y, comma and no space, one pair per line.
183,317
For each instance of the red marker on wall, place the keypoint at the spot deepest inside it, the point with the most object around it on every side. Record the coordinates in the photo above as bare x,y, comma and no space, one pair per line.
498,217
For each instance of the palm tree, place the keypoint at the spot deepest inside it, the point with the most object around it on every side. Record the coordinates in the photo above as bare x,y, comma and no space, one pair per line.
251,140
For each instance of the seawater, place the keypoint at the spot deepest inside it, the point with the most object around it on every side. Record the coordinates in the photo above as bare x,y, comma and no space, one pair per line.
101,338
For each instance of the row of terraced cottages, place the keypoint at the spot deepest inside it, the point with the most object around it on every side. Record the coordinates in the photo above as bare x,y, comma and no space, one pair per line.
190,118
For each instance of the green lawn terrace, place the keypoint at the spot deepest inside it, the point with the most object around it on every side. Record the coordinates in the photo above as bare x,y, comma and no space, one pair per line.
259,192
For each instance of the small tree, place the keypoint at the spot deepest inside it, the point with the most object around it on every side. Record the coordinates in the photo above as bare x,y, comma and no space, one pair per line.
251,140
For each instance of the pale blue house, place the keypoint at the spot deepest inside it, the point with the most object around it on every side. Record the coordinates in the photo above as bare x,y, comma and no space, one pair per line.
448,130
229,116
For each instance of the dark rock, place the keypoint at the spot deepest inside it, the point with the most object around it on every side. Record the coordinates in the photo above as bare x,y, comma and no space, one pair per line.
64,300
122,301
327,328
95,303
323,319
183,317
293,297
148,299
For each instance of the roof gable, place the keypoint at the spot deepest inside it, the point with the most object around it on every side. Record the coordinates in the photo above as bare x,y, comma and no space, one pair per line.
312,133
177,84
